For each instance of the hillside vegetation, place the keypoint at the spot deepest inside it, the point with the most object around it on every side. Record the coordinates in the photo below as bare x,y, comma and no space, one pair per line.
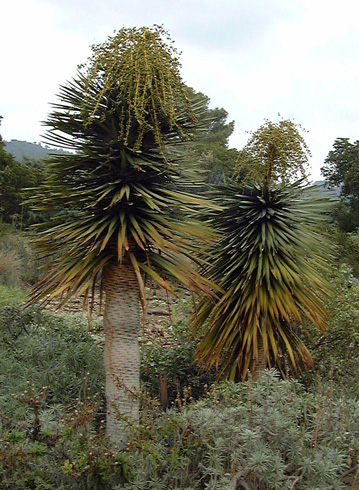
23,151
271,434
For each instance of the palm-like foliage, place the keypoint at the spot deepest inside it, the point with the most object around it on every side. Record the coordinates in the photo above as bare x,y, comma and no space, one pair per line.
268,261
122,196
123,116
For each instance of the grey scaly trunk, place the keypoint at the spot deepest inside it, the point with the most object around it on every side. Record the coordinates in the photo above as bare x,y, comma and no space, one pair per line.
121,353
259,362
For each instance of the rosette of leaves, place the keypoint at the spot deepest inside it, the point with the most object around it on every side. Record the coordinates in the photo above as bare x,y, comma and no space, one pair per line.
120,205
269,262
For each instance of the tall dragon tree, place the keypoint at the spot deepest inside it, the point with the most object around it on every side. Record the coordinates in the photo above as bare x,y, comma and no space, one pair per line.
269,261
120,209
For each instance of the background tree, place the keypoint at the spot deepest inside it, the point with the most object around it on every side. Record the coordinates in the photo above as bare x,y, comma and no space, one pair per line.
268,263
210,147
14,179
341,169
124,116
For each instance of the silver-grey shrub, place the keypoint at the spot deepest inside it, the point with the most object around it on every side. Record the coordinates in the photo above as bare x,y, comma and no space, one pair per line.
266,435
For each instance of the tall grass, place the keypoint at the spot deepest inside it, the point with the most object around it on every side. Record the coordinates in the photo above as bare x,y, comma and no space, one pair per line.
11,295
17,260
10,267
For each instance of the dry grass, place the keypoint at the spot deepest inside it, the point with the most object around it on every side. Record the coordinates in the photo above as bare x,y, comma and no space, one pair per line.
10,268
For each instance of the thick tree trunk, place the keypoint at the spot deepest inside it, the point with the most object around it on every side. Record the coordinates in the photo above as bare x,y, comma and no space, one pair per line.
259,362
121,355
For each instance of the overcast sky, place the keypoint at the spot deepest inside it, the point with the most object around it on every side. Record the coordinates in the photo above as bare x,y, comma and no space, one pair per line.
255,58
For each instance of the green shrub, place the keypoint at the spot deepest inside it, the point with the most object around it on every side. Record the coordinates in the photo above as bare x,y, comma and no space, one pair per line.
71,455
273,434
18,263
52,405
183,376
348,249
45,349
11,295
266,435
335,353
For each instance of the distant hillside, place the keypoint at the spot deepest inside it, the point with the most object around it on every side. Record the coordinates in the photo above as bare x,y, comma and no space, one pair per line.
321,185
21,149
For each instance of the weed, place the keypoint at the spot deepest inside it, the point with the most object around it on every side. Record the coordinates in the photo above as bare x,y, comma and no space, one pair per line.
11,295
174,367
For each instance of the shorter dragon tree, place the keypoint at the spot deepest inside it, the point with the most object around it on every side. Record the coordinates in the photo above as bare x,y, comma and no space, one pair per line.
125,213
269,263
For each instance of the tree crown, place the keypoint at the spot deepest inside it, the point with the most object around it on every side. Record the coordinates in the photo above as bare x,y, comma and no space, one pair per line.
275,152
124,115
137,69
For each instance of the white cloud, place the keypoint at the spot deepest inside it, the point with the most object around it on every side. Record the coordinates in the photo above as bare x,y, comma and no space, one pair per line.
255,58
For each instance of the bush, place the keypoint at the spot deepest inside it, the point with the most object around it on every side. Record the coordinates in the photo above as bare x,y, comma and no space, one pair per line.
348,250
52,405
266,435
17,260
335,353
184,378
11,295
10,267
70,454
273,434
45,350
